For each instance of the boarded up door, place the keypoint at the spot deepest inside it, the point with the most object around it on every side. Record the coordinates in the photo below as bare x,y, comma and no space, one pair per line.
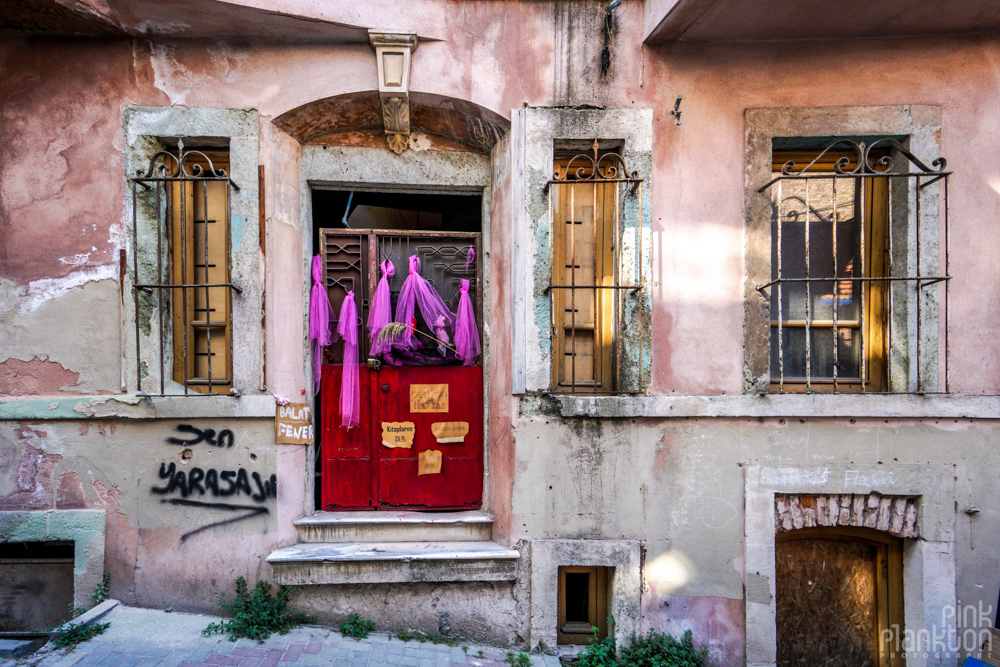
357,471
835,593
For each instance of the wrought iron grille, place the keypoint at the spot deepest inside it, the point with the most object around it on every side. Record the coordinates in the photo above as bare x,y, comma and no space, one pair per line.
352,258
182,296
597,278
860,271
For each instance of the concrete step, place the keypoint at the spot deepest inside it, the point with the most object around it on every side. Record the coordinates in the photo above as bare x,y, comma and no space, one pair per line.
395,526
392,562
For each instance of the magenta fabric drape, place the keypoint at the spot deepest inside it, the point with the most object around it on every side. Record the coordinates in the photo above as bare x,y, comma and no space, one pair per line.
418,293
466,332
381,311
319,320
470,257
350,389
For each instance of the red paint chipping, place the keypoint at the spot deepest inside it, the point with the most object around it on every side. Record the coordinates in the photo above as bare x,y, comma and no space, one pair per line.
37,377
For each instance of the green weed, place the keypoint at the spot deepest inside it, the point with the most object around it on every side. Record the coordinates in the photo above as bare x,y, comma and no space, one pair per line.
357,627
257,614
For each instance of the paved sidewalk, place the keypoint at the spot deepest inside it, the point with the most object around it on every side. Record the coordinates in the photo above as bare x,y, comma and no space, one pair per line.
152,638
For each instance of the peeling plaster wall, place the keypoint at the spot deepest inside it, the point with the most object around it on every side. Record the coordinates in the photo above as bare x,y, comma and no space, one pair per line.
162,549
678,485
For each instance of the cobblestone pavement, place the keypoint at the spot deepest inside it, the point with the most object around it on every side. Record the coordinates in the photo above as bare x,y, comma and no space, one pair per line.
152,638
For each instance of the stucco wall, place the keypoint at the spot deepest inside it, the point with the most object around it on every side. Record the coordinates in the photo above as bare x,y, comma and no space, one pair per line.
676,484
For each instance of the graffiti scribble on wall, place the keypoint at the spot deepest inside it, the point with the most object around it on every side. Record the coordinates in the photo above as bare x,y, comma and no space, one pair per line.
212,483
218,483
223,438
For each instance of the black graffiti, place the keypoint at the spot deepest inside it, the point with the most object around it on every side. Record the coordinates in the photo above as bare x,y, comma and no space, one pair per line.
251,511
218,483
198,436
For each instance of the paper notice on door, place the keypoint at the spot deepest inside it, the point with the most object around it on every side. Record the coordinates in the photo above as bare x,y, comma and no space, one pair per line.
429,462
447,432
398,434
428,398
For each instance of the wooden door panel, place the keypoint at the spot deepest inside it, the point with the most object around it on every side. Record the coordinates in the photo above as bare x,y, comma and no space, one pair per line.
460,482
347,453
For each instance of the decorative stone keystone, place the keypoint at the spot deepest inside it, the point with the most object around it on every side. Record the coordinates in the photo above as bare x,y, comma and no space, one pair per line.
392,57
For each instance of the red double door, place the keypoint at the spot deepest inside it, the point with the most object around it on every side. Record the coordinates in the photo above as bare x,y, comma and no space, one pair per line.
357,470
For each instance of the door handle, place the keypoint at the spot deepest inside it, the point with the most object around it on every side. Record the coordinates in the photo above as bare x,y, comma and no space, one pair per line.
386,388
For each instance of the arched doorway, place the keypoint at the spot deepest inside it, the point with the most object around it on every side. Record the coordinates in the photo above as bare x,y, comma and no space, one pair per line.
839,597
363,206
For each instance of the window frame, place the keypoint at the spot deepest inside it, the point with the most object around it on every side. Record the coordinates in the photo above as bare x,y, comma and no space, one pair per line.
153,129
919,364
607,180
874,211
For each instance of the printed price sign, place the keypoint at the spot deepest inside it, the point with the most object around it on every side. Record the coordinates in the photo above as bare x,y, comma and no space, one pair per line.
293,424
398,434
428,398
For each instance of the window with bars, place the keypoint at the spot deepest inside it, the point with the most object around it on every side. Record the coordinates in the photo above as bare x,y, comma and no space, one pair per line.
859,289
182,272
594,269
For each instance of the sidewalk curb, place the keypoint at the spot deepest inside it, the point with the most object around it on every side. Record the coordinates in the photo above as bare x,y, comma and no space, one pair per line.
88,616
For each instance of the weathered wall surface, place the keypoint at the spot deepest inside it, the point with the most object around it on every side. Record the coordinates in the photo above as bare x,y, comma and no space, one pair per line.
679,485
190,505
676,484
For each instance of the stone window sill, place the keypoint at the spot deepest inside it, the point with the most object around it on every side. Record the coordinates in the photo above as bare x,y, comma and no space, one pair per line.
130,406
784,405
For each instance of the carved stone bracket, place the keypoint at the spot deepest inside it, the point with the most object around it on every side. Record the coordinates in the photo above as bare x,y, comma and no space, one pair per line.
392,57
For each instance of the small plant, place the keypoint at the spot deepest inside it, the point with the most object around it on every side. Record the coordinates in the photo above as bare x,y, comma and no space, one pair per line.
480,654
74,634
465,649
103,591
357,627
257,614
423,637
519,660
656,649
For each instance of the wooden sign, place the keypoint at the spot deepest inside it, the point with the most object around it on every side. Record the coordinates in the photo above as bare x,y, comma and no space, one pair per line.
447,432
428,398
429,462
398,434
293,424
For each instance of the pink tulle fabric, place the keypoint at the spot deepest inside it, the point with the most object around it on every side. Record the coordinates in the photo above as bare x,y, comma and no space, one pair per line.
381,311
466,332
418,293
470,257
350,389
319,320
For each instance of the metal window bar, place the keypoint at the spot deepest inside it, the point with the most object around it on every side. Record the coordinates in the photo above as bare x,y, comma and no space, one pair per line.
167,170
352,261
906,177
594,170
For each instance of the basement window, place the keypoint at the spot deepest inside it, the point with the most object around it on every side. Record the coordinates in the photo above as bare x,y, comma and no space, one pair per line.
183,273
583,604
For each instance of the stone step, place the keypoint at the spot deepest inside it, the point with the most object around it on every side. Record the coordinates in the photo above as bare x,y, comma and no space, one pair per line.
392,562
395,526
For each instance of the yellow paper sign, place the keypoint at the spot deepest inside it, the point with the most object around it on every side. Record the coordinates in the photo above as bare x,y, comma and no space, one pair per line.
398,434
428,398
429,462
293,424
446,432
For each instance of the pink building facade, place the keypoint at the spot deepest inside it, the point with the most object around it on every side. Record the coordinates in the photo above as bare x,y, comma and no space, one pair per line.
681,480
